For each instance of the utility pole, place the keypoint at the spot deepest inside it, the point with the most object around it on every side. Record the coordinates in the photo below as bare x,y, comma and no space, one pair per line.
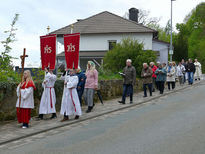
171,49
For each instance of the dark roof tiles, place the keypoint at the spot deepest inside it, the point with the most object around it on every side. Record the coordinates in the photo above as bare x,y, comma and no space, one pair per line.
104,22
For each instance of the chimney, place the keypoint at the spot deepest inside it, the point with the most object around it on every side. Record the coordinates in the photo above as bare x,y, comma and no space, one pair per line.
133,14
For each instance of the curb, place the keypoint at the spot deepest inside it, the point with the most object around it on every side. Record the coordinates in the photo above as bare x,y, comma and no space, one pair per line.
101,114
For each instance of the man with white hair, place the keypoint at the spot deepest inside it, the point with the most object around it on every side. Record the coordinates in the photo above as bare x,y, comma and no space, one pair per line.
146,74
129,75
158,63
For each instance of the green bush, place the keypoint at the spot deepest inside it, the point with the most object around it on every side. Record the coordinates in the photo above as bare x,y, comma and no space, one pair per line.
115,59
9,75
38,74
107,75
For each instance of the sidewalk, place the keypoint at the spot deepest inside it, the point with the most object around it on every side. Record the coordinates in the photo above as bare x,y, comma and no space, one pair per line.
12,131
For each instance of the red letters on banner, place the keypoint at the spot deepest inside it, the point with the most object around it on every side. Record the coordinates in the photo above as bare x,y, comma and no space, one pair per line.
48,51
71,45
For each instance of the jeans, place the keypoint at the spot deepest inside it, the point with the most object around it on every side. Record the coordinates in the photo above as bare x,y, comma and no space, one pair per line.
190,77
80,94
127,88
145,89
184,77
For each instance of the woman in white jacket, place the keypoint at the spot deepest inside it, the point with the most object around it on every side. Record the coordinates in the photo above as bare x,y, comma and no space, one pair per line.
197,74
171,76
25,100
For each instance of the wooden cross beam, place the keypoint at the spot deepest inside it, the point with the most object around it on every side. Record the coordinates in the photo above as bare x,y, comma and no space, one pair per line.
23,62
23,57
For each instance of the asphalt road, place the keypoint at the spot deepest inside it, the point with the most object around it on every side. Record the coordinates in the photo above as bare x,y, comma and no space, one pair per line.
173,124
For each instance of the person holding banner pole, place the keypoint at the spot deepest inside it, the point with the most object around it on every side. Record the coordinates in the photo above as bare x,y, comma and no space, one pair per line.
70,102
48,99
63,102
91,85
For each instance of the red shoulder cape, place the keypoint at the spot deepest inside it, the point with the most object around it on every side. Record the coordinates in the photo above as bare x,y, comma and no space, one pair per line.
30,84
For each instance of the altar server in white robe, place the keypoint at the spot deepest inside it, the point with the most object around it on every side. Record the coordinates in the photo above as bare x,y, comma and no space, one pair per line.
48,99
197,74
70,102
25,100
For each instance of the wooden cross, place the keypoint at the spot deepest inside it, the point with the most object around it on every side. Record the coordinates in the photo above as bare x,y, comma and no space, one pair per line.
23,62
22,71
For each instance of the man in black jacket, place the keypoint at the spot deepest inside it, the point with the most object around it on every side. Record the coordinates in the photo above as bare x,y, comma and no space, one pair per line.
191,71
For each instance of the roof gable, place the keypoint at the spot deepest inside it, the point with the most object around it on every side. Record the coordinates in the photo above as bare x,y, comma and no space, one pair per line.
104,22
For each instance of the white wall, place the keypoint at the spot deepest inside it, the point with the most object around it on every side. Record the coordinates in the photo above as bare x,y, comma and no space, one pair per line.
93,42
163,50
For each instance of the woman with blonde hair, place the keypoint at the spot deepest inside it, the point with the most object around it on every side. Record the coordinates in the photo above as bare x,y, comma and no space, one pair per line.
25,101
91,85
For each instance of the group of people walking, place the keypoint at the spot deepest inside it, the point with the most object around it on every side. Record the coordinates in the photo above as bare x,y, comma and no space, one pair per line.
76,85
155,76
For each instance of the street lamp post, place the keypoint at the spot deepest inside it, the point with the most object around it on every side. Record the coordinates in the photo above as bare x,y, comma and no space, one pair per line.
171,49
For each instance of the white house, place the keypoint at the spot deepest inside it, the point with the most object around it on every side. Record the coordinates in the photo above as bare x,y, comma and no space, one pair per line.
100,31
162,48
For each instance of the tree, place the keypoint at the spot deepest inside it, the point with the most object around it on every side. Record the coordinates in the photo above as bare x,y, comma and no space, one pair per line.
163,33
144,19
115,59
5,57
167,29
6,69
190,40
153,22
180,42
196,27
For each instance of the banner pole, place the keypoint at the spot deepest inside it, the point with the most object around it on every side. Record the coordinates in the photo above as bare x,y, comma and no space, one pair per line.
71,31
48,30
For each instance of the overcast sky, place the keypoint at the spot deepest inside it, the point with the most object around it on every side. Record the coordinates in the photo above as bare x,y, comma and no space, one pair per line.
36,15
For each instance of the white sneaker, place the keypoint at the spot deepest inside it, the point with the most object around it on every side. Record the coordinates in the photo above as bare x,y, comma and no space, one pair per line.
24,127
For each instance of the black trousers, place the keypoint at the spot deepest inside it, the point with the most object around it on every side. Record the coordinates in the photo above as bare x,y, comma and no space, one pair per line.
161,86
172,83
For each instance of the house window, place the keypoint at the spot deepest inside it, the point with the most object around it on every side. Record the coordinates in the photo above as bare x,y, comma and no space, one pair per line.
111,44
